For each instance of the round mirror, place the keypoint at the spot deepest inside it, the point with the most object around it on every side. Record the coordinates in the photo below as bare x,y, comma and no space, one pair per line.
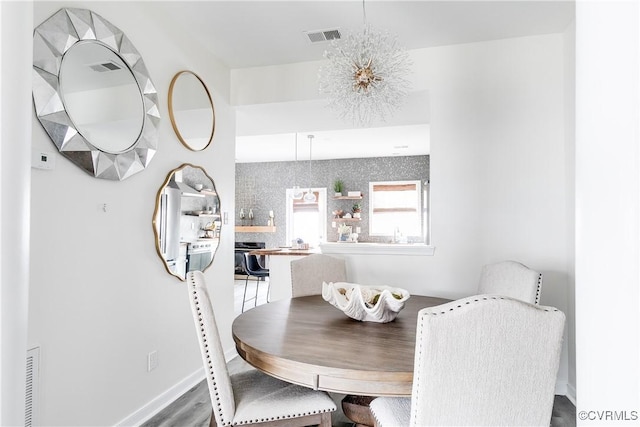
186,220
191,110
101,97
93,95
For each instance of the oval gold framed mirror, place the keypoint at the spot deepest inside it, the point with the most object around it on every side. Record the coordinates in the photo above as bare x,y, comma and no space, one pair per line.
93,95
191,110
186,220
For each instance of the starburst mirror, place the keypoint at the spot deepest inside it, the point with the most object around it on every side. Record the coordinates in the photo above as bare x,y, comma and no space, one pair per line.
93,95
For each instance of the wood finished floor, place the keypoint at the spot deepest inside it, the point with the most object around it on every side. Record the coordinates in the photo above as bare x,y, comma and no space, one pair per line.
193,409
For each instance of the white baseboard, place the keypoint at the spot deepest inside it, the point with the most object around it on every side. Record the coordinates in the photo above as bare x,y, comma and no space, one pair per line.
162,401
169,396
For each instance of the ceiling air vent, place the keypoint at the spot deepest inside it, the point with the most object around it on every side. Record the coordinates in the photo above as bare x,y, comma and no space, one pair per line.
318,36
104,66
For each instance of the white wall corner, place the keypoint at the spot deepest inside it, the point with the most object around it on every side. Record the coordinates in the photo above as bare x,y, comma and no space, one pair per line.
562,386
571,394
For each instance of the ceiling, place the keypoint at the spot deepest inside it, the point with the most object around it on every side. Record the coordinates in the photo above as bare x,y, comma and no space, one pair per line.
260,33
387,141
257,33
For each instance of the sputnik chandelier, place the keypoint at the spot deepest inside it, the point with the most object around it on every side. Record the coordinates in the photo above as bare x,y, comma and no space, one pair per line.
365,77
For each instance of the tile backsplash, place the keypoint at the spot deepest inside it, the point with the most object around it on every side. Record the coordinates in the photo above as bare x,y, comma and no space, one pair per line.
261,187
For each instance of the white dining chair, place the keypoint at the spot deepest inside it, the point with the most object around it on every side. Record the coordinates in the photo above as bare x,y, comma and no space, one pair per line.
249,397
480,361
308,273
511,279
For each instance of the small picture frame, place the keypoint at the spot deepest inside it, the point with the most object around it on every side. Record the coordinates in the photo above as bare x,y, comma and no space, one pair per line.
344,233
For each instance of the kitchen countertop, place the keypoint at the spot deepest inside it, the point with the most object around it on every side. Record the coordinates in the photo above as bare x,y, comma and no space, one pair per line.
284,251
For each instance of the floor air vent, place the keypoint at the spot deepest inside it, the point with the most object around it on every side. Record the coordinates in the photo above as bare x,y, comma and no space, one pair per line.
318,36
31,398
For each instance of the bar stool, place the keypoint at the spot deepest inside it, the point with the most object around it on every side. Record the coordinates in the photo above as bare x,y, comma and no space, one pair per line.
253,268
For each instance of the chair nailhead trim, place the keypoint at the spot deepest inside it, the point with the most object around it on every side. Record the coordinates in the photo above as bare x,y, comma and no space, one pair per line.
203,336
287,416
539,289
486,298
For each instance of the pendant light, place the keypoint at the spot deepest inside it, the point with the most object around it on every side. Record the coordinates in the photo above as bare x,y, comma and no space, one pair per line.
297,192
366,75
309,197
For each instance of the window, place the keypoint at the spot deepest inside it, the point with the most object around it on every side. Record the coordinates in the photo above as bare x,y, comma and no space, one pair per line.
395,209
307,221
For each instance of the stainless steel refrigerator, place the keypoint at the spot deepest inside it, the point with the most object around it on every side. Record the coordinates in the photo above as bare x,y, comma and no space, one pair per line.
170,225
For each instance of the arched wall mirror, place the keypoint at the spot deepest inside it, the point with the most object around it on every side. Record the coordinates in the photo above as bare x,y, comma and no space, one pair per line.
93,95
186,220
191,110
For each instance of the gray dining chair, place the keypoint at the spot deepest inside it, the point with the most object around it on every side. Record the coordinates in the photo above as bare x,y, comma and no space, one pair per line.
308,273
482,360
249,397
511,279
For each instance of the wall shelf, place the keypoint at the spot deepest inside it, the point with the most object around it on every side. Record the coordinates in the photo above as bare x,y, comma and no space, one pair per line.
346,219
348,198
255,229
202,215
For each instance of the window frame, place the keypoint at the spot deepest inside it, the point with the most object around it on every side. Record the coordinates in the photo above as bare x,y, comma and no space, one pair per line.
322,206
420,207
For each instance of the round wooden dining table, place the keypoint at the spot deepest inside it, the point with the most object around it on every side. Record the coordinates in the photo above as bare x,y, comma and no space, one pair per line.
308,341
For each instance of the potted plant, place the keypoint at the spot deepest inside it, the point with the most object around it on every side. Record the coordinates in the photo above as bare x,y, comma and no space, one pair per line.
338,185
356,210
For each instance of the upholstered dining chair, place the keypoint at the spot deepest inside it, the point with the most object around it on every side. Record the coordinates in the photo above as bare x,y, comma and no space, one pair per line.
482,360
253,268
512,279
308,273
249,397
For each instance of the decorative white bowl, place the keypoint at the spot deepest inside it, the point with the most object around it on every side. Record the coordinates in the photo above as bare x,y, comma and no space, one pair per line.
360,302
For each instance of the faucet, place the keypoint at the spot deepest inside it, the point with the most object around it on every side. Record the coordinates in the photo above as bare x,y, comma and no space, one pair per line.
398,237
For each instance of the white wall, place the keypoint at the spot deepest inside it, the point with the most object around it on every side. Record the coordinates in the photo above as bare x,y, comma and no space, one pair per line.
101,299
608,211
15,155
498,164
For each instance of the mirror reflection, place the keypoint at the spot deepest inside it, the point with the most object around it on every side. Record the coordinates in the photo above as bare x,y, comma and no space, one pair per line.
186,221
191,110
101,96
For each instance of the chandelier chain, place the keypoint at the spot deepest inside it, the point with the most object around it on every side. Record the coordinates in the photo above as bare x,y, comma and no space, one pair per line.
364,15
